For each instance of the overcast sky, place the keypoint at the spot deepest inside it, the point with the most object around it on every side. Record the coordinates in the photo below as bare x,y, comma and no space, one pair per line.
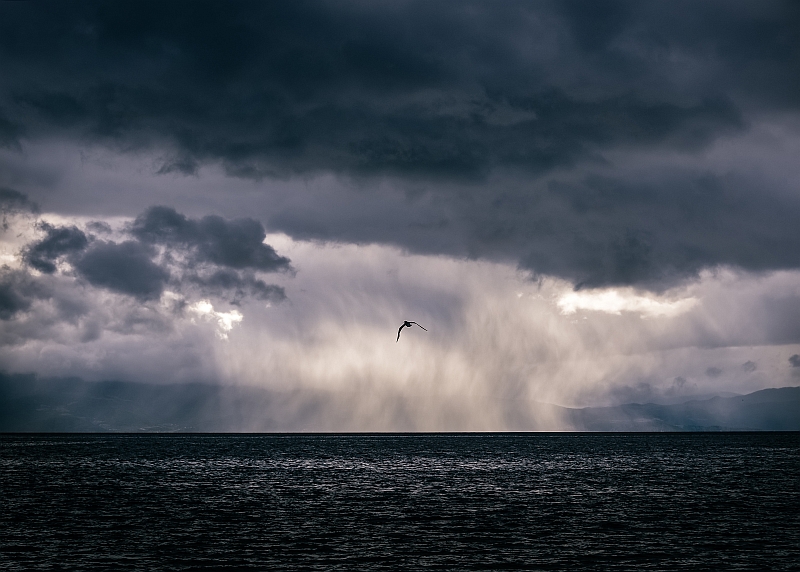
584,203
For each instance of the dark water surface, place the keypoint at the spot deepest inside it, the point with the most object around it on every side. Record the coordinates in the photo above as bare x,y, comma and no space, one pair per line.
361,502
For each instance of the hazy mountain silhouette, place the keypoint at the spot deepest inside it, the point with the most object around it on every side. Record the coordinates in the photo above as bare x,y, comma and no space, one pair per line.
32,404
765,410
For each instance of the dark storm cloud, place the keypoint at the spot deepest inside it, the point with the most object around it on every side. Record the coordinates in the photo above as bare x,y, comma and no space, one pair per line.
59,241
713,372
651,230
749,367
126,268
235,286
235,244
413,88
9,133
794,360
617,231
442,95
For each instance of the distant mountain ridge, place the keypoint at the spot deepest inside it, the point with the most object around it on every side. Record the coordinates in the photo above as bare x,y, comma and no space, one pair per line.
32,404
764,410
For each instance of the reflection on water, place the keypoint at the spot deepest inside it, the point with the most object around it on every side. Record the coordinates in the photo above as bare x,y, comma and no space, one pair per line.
499,501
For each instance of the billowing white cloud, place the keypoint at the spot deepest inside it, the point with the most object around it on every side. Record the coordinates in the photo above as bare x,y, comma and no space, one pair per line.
618,300
225,321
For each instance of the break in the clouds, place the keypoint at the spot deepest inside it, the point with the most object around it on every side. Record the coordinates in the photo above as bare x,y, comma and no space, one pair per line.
640,158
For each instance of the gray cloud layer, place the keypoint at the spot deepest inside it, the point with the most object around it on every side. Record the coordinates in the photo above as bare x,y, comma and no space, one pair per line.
13,203
508,120
17,291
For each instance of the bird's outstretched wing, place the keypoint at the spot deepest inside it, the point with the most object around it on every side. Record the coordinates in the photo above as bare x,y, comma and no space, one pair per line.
398,332
426,329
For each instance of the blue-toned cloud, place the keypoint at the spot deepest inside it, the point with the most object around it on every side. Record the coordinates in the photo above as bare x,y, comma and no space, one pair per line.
58,242
125,267
234,244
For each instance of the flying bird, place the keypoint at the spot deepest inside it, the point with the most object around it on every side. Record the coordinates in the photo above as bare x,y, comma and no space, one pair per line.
407,324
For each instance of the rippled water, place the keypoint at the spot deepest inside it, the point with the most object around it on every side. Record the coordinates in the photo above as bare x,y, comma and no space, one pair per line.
489,501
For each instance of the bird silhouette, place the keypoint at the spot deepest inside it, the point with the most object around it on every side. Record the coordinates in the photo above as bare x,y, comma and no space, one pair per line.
406,324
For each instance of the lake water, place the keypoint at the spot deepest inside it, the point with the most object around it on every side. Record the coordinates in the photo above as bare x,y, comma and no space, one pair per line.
369,502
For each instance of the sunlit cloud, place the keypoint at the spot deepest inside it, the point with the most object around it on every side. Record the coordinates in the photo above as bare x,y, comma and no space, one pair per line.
225,321
616,301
